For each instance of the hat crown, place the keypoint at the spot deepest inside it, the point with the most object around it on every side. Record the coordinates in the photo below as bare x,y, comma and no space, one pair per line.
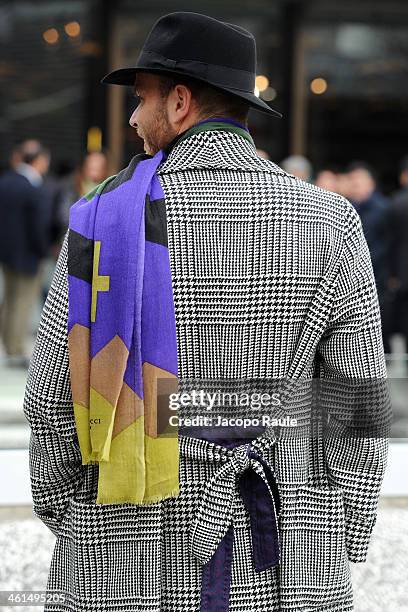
197,46
193,36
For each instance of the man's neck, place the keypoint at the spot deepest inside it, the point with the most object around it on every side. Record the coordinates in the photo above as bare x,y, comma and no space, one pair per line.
216,119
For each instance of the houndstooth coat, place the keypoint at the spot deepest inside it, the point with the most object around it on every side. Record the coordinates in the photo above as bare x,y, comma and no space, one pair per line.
271,277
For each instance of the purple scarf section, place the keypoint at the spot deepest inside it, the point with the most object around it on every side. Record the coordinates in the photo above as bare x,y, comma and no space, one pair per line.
135,264
122,334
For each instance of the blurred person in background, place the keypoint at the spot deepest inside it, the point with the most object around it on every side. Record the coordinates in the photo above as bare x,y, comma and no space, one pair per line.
52,189
25,215
402,193
299,166
398,281
343,184
374,211
262,153
90,172
51,184
16,156
327,178
93,170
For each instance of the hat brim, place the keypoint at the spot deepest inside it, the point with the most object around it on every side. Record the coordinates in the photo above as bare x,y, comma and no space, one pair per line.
126,76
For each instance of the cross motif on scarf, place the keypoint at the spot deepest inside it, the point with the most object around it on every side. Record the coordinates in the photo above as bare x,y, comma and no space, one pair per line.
99,283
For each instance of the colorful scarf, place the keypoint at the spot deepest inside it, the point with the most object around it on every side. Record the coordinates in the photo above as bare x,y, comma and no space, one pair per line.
121,330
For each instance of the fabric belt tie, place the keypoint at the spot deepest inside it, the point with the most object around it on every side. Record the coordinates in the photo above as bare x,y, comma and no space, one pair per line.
211,533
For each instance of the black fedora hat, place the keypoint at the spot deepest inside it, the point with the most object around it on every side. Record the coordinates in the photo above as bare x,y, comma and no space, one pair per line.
216,52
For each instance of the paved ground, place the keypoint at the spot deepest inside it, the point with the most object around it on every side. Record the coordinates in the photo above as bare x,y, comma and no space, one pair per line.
380,584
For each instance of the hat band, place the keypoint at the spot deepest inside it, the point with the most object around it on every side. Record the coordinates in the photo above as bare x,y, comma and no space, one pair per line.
224,76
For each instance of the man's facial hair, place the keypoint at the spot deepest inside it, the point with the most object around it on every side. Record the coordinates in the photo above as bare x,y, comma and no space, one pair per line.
160,133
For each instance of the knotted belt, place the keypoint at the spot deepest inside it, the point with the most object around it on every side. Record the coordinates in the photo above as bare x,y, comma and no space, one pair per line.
243,470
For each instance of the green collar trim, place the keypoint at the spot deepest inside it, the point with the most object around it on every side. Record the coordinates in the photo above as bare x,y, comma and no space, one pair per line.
210,126
217,125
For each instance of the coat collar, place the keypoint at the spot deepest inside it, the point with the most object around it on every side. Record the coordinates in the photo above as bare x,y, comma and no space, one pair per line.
216,149
30,173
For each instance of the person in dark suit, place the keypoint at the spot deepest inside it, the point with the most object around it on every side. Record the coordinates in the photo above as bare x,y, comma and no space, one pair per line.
398,281
374,211
24,243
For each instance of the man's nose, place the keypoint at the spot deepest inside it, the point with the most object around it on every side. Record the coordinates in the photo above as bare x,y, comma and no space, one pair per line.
132,120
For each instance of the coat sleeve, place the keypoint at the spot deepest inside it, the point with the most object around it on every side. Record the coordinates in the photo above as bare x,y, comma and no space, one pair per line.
55,461
354,390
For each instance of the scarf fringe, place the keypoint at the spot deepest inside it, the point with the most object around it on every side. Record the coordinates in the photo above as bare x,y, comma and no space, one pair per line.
152,499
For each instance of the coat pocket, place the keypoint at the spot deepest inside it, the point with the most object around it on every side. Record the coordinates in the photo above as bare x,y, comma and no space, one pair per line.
314,569
107,554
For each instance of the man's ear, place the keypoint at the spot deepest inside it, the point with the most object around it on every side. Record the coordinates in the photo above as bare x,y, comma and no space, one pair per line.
183,100
181,103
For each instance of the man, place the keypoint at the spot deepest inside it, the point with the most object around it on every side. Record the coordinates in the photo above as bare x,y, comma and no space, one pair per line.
267,277
398,282
374,211
298,166
24,241
327,178
92,170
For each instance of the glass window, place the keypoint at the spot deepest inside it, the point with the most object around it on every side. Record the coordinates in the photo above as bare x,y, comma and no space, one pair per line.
42,76
355,87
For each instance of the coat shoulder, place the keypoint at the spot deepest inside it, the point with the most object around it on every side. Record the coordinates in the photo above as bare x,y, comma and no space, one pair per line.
319,205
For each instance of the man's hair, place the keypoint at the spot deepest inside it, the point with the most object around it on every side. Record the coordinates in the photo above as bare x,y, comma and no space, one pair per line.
29,150
212,102
334,168
404,164
362,165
